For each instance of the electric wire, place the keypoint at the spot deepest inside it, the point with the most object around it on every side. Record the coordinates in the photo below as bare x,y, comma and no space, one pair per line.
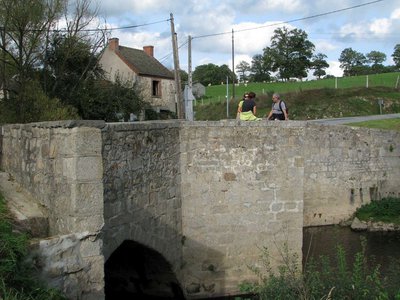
290,21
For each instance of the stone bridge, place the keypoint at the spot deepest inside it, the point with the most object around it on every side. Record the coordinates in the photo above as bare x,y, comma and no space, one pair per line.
183,208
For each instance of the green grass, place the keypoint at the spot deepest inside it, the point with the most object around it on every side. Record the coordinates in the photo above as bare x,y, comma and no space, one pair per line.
314,99
386,210
314,104
390,124
217,93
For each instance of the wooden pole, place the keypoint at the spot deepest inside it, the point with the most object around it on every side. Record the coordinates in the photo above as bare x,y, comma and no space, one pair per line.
233,66
180,106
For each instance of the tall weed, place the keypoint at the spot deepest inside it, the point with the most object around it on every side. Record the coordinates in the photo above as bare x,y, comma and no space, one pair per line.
324,279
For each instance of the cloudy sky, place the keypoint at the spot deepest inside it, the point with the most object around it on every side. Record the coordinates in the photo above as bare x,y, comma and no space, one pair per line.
374,25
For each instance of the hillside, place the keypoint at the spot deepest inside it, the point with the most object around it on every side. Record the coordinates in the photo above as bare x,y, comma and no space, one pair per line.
311,100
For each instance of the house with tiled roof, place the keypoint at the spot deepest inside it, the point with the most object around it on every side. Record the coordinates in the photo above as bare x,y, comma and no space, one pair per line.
156,82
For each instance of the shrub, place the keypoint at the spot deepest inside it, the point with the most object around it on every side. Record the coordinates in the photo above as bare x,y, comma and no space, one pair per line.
385,210
325,279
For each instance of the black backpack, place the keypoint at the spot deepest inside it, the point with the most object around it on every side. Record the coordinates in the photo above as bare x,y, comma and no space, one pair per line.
280,107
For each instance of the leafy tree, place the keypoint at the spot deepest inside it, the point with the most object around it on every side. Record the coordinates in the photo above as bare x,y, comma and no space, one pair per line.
70,63
212,74
290,52
184,78
376,57
225,71
396,55
243,68
260,67
319,64
41,107
110,101
25,25
351,60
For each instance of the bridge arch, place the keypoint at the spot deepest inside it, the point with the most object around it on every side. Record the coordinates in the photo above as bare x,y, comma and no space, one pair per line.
136,271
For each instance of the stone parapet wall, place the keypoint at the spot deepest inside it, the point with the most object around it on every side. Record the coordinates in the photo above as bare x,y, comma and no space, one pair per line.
347,167
60,166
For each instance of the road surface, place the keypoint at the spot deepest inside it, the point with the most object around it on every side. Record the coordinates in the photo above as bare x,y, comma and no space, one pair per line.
355,119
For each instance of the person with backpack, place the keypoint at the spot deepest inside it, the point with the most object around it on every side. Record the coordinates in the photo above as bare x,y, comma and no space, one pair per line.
279,109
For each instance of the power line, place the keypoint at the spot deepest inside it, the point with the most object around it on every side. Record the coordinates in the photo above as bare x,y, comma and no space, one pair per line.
97,29
127,27
169,54
291,21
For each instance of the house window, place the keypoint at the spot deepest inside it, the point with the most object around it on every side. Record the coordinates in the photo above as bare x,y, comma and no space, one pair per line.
156,88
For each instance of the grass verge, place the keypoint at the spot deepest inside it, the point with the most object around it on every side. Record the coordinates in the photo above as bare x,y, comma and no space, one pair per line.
390,124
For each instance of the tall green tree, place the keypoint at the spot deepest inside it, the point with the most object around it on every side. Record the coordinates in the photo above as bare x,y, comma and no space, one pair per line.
319,64
212,74
243,68
260,68
351,62
396,55
25,26
291,53
376,57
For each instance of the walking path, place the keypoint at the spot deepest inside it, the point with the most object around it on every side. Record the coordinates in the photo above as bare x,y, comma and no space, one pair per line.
355,119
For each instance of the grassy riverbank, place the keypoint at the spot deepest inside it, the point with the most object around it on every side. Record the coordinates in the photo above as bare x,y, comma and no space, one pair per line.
386,210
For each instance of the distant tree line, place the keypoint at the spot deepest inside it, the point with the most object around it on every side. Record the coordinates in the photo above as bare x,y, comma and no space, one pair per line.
291,55
51,74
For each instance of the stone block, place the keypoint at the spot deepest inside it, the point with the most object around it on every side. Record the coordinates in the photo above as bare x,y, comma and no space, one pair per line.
83,168
87,198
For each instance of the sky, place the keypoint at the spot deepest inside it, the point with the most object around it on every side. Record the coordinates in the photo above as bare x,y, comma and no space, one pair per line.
373,25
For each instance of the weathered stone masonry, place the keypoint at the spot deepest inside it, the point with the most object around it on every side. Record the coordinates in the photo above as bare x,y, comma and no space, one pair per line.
205,195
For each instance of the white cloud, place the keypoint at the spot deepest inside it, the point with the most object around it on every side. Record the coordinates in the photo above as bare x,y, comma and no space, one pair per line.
380,27
334,69
395,14
362,28
324,46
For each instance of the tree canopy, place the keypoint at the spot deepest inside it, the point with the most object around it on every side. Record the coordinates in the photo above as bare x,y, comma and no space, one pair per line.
290,53
396,55
47,74
212,74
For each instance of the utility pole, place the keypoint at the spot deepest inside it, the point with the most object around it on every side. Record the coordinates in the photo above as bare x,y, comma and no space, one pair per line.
190,82
233,66
189,114
3,65
180,107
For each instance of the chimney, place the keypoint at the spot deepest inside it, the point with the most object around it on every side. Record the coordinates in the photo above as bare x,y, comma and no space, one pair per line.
113,44
149,50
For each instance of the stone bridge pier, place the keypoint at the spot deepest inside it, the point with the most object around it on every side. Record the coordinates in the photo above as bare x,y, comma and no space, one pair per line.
182,209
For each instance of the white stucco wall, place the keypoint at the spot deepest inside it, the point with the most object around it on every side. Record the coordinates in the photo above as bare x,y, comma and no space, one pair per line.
115,67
